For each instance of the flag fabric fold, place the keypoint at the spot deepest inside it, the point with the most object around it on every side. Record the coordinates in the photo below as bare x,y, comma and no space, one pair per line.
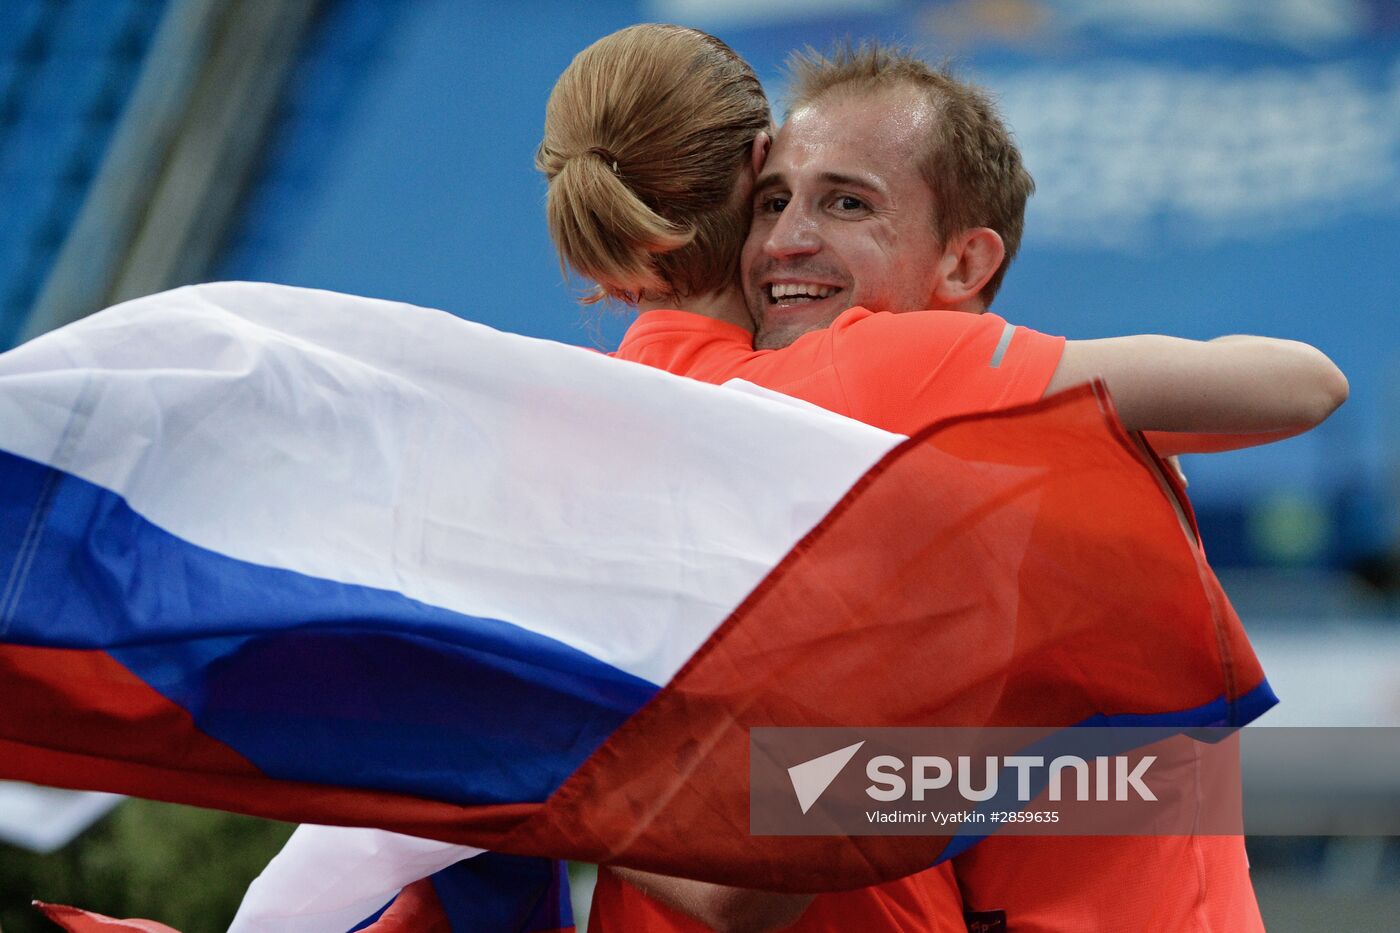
329,879
339,560
76,920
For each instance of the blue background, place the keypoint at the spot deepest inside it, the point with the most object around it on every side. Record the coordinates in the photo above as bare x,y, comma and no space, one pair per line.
423,188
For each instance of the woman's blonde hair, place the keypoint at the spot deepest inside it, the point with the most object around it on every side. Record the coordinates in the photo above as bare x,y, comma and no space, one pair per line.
645,135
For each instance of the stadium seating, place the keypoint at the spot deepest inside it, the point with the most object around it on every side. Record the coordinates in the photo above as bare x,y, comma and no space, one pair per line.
66,70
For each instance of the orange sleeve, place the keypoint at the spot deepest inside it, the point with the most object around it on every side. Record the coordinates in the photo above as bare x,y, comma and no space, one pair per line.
688,345
618,907
904,371
928,901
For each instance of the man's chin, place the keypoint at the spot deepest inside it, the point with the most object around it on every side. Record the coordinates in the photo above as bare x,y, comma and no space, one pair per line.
779,325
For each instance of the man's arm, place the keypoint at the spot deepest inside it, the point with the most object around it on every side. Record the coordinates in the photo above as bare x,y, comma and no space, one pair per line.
1215,395
1169,444
724,909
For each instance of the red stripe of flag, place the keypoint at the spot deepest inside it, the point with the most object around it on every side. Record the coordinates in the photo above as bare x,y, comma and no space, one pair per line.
1022,568
1017,568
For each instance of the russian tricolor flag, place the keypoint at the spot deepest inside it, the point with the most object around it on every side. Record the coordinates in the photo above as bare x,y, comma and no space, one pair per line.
339,560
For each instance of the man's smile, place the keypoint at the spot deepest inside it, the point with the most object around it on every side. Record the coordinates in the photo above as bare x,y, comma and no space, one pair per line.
799,290
799,294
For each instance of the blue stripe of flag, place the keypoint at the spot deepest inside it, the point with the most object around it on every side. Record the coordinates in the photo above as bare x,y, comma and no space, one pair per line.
1219,712
310,679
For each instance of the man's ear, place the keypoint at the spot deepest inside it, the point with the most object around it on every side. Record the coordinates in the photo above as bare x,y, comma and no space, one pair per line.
969,261
759,153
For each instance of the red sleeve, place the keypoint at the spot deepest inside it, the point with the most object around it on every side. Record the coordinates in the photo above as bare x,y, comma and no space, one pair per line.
904,371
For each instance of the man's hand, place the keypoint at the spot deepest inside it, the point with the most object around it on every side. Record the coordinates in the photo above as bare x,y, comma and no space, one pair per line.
1216,395
723,909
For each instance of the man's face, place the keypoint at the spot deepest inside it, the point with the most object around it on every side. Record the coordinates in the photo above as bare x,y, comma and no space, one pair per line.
842,216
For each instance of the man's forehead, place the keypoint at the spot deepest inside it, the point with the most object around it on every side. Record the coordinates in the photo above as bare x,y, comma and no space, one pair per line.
855,127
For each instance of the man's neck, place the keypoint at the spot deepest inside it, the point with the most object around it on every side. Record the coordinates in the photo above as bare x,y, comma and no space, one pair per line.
974,305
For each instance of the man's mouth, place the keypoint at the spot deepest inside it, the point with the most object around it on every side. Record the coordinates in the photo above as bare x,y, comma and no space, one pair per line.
795,293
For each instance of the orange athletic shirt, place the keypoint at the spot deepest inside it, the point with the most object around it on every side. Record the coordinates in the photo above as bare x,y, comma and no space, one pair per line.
927,901
901,372
897,372
1154,884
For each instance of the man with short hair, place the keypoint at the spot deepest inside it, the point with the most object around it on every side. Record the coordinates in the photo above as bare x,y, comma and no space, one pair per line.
893,187
933,141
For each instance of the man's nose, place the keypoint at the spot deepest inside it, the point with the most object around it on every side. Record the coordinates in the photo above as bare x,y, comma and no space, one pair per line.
794,233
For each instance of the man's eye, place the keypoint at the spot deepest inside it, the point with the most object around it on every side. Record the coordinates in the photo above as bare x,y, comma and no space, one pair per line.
773,204
848,203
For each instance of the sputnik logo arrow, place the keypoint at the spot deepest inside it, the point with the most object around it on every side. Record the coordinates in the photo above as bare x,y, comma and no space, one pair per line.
810,779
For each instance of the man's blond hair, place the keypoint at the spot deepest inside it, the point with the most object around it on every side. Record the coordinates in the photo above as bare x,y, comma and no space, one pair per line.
645,135
970,161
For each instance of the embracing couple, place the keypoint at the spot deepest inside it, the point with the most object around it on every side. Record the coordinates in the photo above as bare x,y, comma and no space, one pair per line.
849,259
